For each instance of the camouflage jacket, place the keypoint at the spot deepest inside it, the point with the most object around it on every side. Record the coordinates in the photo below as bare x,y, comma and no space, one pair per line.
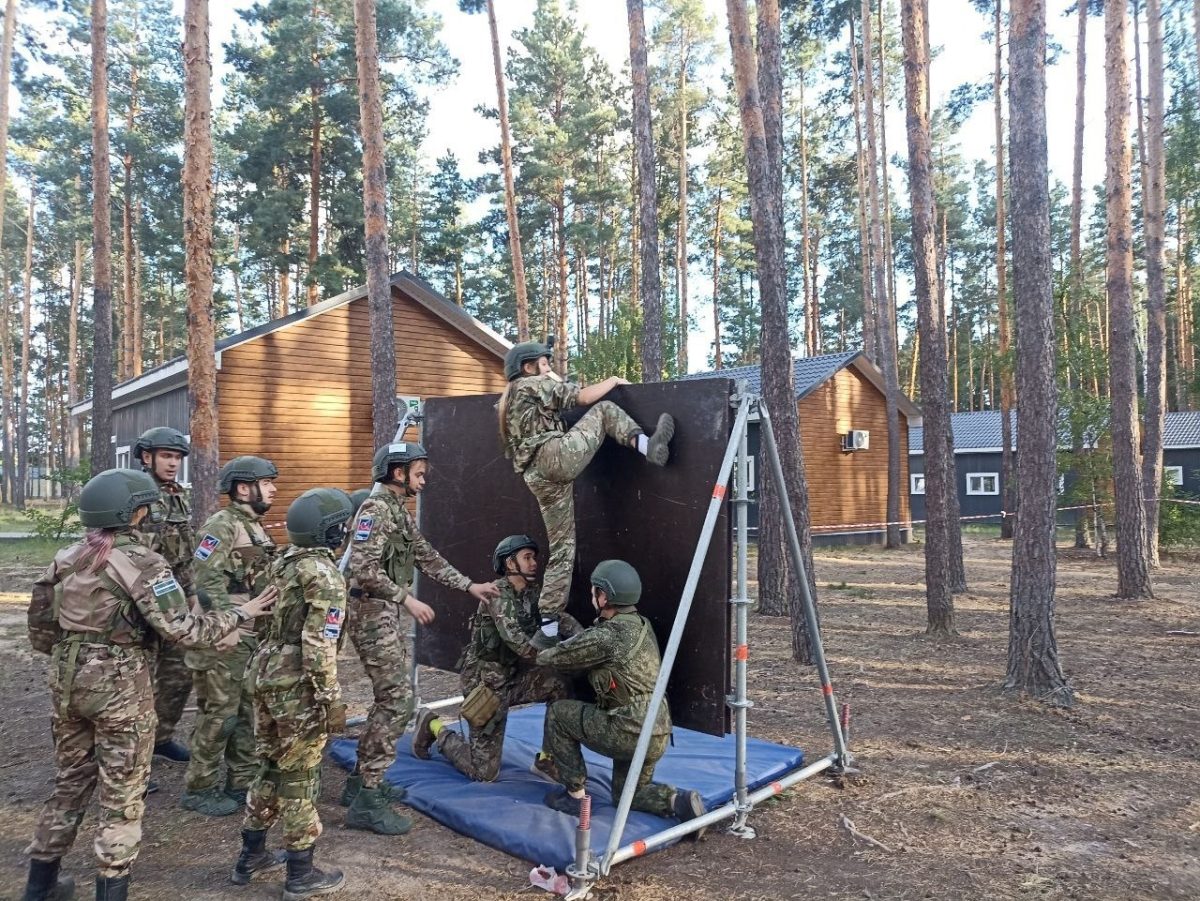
134,597
620,656
301,645
387,545
534,415
500,631
232,557
173,536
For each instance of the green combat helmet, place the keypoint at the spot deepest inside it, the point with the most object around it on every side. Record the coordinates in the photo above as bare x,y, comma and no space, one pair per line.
160,438
358,497
245,469
393,454
109,499
508,547
317,518
526,352
619,581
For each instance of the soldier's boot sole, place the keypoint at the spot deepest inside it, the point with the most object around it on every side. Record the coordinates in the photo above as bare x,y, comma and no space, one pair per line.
423,737
317,882
688,806
212,803
262,862
658,449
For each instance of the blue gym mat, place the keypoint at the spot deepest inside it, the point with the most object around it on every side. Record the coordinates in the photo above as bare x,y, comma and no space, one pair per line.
509,815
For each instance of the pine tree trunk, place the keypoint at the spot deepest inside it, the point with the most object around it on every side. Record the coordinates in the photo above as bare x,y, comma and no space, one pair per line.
74,432
1155,204
102,341
1033,665
643,139
9,398
716,282
1077,299
868,301
314,192
236,273
885,349
560,256
10,24
510,190
939,595
681,254
26,338
886,191
1006,457
1132,560
198,263
379,288
810,327
130,364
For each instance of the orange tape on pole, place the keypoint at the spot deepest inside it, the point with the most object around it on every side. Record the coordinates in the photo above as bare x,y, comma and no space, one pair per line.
639,848
742,652
718,491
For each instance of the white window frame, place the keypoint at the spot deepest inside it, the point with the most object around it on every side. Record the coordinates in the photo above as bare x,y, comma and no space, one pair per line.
981,476
185,470
123,451
916,483
1174,474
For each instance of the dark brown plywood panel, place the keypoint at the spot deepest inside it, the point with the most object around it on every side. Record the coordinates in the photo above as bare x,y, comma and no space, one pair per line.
624,508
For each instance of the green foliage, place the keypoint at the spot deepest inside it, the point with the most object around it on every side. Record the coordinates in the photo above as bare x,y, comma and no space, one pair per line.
62,521
1178,524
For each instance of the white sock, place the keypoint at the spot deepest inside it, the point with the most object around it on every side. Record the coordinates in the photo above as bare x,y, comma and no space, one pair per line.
643,444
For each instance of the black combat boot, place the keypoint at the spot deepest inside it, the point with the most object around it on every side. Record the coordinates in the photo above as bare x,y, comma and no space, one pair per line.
306,881
112,888
44,884
688,805
255,858
172,750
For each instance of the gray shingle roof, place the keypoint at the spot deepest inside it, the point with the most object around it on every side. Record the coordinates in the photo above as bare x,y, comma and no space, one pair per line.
980,431
810,372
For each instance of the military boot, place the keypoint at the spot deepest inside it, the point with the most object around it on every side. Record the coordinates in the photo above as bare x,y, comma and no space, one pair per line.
371,811
212,802
172,750
423,738
306,881
44,884
657,450
687,806
112,888
354,786
255,858
236,792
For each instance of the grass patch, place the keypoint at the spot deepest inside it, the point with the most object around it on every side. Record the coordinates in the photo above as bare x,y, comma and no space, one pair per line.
13,520
29,551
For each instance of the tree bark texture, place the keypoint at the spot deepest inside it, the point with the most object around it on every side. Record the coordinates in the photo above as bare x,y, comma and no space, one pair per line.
379,289
681,243
198,262
643,138
26,340
716,281
102,341
510,189
10,24
868,300
766,214
1006,456
935,406
1155,205
1033,665
885,345
1077,299
74,432
1133,574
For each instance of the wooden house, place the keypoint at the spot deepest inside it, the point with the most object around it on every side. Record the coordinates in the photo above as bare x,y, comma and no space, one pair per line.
298,390
843,432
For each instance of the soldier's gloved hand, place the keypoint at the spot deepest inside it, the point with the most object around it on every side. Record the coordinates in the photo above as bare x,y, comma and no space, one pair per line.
335,718
547,636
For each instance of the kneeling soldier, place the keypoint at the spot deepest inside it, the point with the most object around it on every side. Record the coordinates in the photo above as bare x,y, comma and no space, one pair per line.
497,670
620,655
297,700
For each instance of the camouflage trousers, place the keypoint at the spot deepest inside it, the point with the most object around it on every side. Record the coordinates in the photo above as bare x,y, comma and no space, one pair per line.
478,757
172,685
224,727
289,736
551,477
571,725
379,630
103,736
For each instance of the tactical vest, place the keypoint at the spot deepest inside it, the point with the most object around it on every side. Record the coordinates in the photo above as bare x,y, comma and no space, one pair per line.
624,686
486,645
279,659
399,552
172,536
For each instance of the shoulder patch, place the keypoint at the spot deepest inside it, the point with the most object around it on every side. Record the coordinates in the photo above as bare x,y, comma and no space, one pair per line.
164,586
362,528
206,547
333,623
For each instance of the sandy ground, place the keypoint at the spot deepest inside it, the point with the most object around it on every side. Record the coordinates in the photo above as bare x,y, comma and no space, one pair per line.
971,794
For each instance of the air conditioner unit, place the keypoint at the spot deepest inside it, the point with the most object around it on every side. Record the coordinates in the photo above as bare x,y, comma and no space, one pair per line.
858,439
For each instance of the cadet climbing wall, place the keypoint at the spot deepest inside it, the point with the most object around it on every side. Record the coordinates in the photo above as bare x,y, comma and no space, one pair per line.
624,508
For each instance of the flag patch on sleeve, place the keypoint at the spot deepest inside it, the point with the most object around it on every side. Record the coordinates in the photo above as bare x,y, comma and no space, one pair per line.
207,546
333,623
164,586
362,529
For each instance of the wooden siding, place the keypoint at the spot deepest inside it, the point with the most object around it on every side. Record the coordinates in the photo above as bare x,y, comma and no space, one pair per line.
302,395
167,409
846,488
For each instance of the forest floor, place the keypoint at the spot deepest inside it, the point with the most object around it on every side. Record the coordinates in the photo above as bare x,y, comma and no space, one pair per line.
973,794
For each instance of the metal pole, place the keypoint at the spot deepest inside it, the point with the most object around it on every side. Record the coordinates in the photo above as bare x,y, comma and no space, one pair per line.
767,442
656,841
681,616
741,606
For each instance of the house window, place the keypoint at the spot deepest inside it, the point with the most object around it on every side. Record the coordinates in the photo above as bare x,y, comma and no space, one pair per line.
123,461
185,471
1174,475
916,483
983,483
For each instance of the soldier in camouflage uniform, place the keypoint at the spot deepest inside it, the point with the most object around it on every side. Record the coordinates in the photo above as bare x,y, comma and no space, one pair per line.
620,656
297,700
161,452
231,564
385,547
100,610
550,456
499,655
